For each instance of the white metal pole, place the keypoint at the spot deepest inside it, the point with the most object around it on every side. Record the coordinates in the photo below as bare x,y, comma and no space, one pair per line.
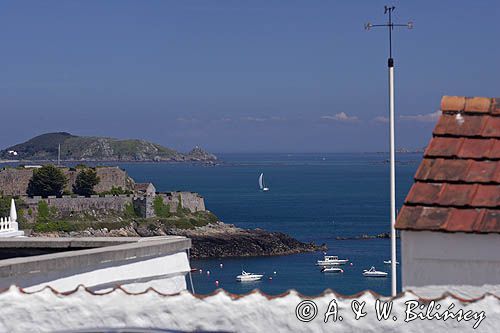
393,178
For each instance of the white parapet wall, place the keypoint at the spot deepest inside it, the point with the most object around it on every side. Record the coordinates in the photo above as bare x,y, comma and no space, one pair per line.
135,264
81,310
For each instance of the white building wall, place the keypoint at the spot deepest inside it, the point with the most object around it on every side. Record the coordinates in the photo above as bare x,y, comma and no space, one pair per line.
439,258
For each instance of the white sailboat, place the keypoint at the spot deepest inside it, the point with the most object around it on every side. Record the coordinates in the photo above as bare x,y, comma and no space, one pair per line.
262,185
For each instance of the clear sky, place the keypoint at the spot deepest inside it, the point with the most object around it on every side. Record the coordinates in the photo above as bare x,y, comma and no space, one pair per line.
240,76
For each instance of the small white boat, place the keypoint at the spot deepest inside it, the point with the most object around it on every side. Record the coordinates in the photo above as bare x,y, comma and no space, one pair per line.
332,270
388,262
245,276
372,272
331,260
262,185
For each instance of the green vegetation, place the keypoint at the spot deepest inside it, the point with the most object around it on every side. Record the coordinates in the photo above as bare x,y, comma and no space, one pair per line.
85,182
129,211
48,180
117,191
45,214
161,209
5,205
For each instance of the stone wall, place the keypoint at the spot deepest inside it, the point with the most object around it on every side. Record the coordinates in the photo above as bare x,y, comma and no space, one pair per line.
15,181
190,200
95,205
67,205
143,206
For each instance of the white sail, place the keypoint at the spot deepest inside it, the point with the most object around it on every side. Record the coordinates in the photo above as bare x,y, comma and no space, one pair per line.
261,181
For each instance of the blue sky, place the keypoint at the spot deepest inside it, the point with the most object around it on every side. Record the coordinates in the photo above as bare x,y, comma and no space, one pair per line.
239,76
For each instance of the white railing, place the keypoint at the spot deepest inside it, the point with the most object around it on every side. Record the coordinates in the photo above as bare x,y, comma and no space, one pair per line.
7,225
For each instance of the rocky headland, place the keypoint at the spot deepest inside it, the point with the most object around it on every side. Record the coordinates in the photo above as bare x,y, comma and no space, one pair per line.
214,240
74,148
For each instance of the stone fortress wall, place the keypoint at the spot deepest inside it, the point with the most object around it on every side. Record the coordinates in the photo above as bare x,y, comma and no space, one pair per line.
14,181
143,205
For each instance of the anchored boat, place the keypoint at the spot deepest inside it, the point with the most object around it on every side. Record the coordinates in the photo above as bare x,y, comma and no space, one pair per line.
388,262
331,260
332,270
245,276
372,272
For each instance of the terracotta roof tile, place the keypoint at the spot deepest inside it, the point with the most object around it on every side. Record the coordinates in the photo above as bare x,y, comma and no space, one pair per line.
475,148
469,104
448,170
481,172
490,222
486,196
424,193
458,170
444,147
462,220
492,127
461,125
477,104
432,218
457,185
408,217
495,107
453,103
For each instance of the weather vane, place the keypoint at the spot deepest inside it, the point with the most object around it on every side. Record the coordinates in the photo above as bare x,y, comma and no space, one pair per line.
390,26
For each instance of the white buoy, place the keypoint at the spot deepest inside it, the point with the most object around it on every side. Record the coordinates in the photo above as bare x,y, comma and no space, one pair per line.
274,272
208,272
221,265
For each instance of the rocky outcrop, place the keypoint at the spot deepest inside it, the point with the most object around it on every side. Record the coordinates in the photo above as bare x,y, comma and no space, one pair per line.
211,241
226,240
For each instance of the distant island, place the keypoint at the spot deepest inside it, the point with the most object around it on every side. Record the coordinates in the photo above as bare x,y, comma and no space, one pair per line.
45,147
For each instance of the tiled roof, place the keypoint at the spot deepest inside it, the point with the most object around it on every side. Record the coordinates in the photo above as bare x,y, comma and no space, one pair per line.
457,185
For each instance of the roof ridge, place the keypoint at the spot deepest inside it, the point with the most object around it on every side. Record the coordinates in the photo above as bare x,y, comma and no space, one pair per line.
483,105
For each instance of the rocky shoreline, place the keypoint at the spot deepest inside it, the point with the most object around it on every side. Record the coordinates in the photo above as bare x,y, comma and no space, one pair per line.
215,240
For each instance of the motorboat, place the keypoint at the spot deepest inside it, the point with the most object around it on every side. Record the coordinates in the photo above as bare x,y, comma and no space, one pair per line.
331,260
245,276
332,270
388,262
372,272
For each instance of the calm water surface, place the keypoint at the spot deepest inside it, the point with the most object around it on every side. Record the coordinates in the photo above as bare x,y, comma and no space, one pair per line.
313,197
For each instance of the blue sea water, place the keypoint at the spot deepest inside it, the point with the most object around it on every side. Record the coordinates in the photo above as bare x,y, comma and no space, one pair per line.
313,197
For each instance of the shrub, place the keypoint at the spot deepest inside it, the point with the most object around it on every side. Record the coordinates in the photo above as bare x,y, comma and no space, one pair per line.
48,180
161,209
54,226
116,191
85,182
129,211
45,212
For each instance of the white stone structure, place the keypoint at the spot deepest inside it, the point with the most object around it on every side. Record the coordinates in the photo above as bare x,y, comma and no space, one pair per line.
8,225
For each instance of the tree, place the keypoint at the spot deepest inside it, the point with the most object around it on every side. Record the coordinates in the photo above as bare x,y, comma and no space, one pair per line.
85,182
48,180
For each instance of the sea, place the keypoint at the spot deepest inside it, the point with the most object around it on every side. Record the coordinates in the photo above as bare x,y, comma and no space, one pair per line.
313,197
